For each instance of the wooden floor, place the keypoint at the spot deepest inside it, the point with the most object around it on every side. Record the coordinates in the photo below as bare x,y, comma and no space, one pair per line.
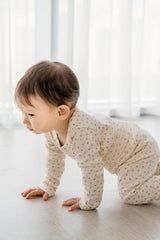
22,161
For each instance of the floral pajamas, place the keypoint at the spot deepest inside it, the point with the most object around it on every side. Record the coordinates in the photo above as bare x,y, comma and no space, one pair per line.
119,146
137,180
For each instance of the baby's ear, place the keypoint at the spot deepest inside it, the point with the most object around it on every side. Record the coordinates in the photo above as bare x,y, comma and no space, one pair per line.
63,112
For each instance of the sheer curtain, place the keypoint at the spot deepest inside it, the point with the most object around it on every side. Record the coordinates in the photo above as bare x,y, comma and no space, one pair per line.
25,37
112,45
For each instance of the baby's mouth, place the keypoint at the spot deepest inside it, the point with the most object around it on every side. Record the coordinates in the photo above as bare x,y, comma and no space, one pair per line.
30,129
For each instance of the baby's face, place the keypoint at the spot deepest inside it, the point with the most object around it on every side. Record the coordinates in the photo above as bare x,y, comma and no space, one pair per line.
41,118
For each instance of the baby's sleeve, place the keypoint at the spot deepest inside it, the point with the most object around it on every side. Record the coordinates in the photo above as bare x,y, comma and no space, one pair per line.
87,152
54,167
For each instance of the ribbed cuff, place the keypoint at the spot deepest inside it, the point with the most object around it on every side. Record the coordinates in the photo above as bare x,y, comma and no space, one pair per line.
47,189
84,206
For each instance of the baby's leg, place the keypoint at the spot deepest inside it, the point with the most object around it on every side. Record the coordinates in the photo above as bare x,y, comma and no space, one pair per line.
137,181
144,193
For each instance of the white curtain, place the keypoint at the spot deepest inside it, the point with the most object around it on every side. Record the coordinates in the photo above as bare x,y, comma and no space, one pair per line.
25,37
112,45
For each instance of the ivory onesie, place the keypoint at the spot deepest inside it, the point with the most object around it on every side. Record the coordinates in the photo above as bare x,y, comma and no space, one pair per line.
119,146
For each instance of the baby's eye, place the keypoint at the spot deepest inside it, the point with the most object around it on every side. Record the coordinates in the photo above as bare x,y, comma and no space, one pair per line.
30,114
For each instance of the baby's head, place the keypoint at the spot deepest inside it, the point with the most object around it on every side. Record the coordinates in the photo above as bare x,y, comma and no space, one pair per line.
51,84
54,82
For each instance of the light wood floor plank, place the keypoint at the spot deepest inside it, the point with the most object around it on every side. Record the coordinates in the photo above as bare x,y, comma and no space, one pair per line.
22,161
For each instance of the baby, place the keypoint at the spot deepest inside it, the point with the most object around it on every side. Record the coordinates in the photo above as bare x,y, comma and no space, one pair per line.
47,96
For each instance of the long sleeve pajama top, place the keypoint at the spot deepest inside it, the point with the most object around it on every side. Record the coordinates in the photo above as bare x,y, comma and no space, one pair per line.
95,145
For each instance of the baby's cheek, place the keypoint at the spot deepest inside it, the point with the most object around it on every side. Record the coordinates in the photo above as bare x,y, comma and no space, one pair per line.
35,125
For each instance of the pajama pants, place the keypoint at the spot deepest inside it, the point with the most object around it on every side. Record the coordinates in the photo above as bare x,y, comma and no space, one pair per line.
139,177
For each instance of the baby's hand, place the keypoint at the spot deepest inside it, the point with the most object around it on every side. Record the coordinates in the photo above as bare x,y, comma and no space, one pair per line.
73,202
35,192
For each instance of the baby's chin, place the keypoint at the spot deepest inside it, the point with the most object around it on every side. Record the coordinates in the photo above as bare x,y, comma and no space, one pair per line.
36,132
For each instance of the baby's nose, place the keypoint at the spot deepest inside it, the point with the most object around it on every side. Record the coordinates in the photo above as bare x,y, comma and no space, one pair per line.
25,120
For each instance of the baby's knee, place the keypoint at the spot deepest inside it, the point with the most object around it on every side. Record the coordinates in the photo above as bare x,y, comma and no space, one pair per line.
129,199
126,196
134,197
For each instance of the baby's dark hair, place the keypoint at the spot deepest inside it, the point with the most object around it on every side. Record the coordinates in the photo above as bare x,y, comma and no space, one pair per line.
54,82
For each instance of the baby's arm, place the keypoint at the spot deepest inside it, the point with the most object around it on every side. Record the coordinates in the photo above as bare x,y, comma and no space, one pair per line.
93,179
89,160
54,169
